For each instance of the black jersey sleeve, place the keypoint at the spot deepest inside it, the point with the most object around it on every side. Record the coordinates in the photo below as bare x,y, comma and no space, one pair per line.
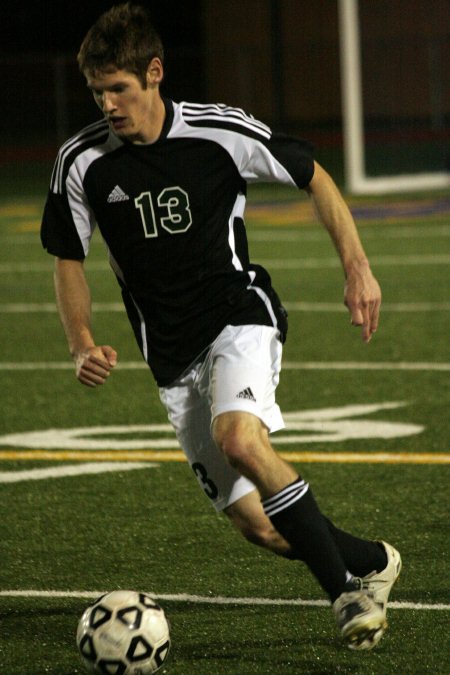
259,154
295,155
277,159
68,220
59,235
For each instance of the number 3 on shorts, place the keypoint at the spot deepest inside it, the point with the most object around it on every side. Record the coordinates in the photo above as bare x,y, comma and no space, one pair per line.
209,487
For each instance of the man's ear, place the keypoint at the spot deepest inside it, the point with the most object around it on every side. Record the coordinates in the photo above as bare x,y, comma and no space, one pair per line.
155,72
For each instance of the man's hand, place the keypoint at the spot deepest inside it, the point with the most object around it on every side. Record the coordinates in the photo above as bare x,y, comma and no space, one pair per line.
362,292
362,296
94,365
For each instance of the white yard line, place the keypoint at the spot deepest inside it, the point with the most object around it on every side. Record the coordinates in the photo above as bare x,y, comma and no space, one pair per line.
50,307
323,307
71,470
376,261
356,365
311,233
288,365
319,234
277,263
213,600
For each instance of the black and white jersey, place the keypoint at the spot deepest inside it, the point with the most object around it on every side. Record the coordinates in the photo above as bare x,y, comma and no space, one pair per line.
171,214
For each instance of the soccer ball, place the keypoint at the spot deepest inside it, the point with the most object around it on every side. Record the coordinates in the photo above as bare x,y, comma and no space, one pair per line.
123,633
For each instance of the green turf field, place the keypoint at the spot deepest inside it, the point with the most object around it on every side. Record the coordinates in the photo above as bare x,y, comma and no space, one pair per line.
83,512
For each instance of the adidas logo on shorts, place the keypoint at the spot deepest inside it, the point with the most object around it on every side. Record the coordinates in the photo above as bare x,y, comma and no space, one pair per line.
117,195
247,394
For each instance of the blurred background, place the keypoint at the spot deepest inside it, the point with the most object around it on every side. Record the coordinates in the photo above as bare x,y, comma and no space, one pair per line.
278,59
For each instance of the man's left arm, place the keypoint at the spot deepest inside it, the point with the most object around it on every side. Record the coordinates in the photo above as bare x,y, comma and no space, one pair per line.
362,294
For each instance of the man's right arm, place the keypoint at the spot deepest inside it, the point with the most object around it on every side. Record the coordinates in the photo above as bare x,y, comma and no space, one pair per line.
93,363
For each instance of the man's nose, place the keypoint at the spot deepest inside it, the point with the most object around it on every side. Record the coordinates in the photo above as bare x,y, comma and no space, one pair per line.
108,103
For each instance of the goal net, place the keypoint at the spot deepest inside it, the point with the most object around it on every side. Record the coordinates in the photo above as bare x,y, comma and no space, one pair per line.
395,95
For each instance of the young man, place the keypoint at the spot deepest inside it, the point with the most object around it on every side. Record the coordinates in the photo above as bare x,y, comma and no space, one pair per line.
165,182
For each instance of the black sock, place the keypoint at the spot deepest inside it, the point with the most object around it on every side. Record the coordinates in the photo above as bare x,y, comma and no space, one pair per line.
361,556
295,514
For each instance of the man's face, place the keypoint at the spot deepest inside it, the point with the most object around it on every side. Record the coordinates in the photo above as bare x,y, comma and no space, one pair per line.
127,106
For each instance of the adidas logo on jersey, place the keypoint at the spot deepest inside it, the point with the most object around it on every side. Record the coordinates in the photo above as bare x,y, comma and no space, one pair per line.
117,195
246,393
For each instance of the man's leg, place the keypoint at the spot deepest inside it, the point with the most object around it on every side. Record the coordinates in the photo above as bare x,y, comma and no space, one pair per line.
361,556
239,379
248,517
288,500
292,509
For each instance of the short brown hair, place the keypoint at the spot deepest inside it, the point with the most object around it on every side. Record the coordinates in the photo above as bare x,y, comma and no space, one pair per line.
124,38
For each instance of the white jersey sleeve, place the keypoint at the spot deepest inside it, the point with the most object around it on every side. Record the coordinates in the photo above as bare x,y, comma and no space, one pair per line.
259,154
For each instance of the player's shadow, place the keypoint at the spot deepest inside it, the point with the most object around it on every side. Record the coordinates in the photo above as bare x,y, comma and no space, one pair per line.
39,612
261,649
47,637
252,656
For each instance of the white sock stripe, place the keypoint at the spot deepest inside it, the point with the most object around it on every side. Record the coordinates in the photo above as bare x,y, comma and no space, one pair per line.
272,511
292,487
283,496
286,500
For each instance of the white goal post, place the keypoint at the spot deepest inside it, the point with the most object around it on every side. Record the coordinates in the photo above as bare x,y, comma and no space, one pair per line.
357,182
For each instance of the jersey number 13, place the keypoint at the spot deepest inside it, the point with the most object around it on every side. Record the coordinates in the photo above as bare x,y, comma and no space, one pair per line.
173,202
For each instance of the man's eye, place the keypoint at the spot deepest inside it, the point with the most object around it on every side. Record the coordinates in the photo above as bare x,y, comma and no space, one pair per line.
98,93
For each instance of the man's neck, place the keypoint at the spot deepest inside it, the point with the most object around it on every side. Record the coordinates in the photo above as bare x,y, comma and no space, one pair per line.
155,125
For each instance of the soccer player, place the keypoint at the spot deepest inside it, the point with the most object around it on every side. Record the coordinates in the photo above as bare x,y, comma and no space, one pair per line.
165,183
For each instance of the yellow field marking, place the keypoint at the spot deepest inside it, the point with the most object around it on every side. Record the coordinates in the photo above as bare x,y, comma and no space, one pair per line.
178,456
29,226
301,212
26,217
20,210
281,214
272,213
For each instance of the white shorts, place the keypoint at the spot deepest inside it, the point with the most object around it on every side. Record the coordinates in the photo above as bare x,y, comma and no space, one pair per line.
239,372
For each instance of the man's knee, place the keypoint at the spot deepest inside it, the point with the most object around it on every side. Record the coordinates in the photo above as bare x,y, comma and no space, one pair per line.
241,437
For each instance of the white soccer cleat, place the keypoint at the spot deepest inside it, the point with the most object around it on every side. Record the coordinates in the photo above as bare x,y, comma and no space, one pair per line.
360,620
378,585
